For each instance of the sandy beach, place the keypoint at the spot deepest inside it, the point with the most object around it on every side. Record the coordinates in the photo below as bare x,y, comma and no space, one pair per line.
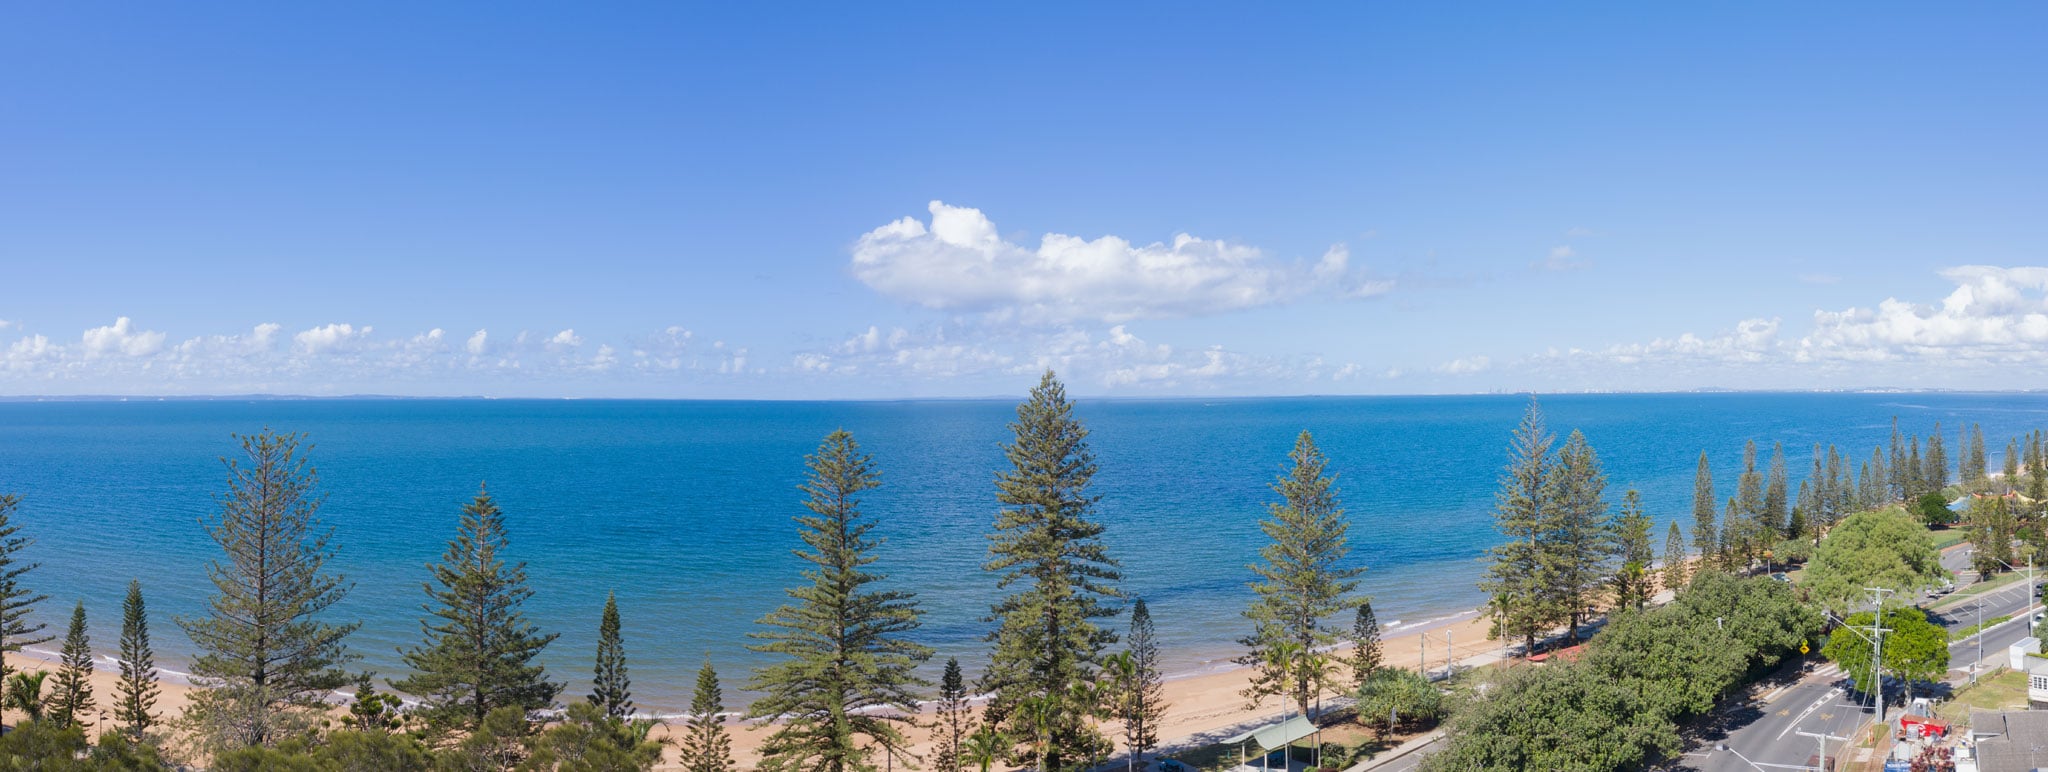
1200,708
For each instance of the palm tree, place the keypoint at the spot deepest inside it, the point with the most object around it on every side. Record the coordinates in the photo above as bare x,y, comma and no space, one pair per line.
985,746
25,694
1120,684
1041,709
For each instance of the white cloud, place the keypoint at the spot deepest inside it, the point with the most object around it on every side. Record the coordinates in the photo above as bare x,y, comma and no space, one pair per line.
336,358
330,337
122,338
1116,358
961,263
4,324
1993,315
1561,258
1465,366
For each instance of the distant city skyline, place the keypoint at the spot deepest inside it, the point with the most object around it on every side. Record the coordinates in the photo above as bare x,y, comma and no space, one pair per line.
932,201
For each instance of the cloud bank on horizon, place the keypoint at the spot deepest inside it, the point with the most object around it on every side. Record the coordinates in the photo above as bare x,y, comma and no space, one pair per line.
995,312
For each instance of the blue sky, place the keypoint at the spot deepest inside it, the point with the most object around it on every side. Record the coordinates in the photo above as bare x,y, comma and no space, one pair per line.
674,200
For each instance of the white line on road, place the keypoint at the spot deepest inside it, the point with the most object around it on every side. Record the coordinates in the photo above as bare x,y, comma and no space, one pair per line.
1817,705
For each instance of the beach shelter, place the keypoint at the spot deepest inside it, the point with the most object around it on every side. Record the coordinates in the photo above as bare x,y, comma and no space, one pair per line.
1272,737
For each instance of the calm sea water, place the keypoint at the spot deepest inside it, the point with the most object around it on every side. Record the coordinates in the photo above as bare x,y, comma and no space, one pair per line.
683,508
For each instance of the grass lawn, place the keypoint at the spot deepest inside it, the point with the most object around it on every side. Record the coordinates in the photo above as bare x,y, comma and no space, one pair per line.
1945,538
2004,689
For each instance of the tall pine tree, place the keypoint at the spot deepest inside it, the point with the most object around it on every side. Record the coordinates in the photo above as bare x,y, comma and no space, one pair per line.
1522,603
1777,518
1979,469
1145,705
949,732
1675,574
1303,580
706,747
478,653
1706,539
17,629
1581,546
1936,461
1749,522
849,666
1367,651
611,691
2012,464
135,694
71,700
1049,555
1633,580
263,647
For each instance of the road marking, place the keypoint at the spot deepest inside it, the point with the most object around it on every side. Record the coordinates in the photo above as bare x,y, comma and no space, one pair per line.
1817,705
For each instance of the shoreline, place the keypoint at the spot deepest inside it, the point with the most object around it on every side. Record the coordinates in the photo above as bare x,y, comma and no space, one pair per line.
1202,705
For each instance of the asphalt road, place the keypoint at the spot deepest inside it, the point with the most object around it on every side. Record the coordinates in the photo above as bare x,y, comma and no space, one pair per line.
1820,700
1762,733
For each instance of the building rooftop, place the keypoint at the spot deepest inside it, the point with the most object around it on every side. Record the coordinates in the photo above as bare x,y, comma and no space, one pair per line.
2010,741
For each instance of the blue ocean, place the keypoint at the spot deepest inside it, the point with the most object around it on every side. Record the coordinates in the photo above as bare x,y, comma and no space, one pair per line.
684,508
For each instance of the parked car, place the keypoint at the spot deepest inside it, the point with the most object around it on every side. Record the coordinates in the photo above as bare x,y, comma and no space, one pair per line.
1782,577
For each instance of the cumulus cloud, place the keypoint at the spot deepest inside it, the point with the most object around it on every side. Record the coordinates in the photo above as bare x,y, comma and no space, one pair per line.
961,263
478,343
1993,315
329,337
564,340
122,338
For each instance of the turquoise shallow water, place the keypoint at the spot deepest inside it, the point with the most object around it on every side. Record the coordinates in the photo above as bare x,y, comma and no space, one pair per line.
684,508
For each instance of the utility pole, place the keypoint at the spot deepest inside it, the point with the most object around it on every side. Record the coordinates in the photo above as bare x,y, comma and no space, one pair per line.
1877,631
1822,760
1450,655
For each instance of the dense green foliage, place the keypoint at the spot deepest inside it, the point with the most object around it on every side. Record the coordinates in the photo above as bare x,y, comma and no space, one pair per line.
478,652
1048,553
1915,649
1304,578
1618,708
1562,718
1886,548
263,647
1394,698
847,672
